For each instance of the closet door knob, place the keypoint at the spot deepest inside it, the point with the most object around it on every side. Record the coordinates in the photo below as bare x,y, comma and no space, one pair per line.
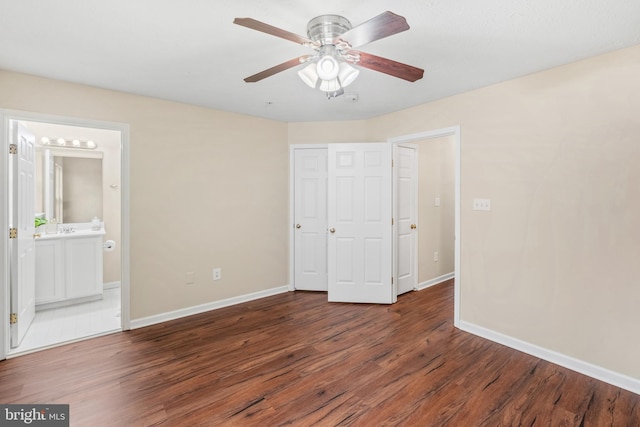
413,226
298,226
332,230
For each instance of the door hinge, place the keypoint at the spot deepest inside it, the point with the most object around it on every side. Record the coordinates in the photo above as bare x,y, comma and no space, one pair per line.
13,318
392,280
391,163
13,149
392,222
13,233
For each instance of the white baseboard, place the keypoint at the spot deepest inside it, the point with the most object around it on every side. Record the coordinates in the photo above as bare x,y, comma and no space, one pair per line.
111,285
189,311
593,371
433,282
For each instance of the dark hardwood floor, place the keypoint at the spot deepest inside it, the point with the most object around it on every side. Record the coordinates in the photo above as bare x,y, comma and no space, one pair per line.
295,359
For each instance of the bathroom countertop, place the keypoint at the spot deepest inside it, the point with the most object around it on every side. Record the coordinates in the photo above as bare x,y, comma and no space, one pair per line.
76,233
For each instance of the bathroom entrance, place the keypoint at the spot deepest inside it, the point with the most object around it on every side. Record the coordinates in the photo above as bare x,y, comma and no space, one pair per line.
72,282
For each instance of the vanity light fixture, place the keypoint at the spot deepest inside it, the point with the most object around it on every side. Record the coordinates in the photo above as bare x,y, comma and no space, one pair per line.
68,143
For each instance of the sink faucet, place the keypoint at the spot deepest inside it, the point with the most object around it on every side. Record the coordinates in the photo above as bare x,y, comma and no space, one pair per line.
66,229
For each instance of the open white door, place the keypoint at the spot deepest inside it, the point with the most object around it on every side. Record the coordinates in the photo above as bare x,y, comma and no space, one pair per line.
406,216
22,220
359,219
310,219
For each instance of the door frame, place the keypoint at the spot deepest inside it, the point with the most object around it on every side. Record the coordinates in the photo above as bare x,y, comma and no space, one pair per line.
437,133
291,223
6,116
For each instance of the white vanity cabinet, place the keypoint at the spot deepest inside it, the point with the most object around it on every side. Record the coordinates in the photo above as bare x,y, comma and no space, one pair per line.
68,268
83,266
49,271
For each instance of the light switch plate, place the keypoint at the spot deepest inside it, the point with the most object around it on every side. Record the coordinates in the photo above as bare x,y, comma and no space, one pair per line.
481,204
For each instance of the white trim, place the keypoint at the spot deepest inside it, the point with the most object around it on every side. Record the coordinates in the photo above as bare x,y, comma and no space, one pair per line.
202,308
455,132
4,236
435,281
593,371
58,344
292,148
111,285
7,115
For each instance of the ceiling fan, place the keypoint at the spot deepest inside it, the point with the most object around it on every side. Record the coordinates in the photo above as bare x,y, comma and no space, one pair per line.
334,40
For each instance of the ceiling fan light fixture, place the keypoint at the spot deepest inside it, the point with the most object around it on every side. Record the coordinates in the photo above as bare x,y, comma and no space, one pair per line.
330,85
309,76
347,74
328,68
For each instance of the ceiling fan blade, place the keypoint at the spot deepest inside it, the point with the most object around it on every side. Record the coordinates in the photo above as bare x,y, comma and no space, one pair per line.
384,25
278,68
387,66
270,29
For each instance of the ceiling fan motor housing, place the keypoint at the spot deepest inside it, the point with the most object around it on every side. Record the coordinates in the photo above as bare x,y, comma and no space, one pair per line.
325,28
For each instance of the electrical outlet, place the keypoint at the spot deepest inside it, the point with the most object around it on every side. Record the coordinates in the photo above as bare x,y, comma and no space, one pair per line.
435,256
217,273
191,278
481,204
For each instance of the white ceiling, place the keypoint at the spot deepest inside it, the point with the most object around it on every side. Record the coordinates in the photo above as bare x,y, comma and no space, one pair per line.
191,52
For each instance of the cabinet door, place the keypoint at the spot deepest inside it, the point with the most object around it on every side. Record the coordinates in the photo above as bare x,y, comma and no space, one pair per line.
83,262
49,271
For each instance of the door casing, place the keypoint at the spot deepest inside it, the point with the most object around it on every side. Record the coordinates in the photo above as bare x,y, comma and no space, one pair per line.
5,117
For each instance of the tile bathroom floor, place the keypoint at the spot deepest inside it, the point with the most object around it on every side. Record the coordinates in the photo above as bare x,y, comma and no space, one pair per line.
74,322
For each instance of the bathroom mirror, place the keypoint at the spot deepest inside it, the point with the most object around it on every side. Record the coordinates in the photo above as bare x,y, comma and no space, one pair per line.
69,185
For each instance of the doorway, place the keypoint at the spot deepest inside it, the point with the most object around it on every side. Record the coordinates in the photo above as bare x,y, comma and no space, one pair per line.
422,139
81,314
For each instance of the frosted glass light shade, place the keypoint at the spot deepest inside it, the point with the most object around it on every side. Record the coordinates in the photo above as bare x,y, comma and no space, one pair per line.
347,74
328,68
329,85
309,76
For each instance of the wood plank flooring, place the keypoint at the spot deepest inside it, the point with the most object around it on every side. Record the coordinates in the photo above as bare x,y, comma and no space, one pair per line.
295,359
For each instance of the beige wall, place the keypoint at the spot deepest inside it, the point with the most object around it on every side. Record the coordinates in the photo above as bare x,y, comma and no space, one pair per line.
208,189
327,132
555,261
436,165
